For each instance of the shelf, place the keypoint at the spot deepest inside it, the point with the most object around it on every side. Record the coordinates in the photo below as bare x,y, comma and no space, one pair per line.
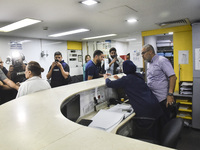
182,95
189,118
185,110
184,101
184,115
164,50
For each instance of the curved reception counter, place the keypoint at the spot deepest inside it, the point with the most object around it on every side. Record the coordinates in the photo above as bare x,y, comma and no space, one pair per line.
35,122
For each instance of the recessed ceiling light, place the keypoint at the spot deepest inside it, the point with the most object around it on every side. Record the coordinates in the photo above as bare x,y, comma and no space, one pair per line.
96,37
69,32
89,2
131,20
19,24
130,39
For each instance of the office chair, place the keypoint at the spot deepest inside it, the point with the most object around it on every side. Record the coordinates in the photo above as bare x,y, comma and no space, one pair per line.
143,127
171,132
138,129
169,135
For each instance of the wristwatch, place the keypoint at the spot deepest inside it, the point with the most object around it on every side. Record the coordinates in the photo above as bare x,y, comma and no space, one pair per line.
170,94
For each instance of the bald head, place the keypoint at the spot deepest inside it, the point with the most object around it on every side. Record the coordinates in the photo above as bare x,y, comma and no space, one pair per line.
149,47
148,52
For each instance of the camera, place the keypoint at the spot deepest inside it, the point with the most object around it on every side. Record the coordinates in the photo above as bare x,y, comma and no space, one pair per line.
56,60
18,71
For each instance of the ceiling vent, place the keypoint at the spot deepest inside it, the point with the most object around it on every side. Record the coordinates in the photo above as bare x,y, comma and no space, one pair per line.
174,23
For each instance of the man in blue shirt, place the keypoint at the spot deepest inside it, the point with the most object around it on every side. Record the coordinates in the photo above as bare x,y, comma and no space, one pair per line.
92,67
58,71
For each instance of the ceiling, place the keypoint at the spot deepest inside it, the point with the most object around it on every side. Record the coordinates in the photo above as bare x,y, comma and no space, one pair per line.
106,17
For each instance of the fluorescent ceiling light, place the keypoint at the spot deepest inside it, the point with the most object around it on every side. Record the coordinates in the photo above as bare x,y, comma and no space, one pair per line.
69,32
131,20
19,24
131,40
24,41
89,2
102,36
170,33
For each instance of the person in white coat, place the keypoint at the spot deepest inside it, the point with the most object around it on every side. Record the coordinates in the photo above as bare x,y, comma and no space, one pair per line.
34,82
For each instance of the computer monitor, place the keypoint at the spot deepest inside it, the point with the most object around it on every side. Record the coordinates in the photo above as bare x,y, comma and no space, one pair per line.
71,107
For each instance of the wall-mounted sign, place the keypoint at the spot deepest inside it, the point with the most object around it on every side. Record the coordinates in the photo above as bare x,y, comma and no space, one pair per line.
80,58
197,58
15,45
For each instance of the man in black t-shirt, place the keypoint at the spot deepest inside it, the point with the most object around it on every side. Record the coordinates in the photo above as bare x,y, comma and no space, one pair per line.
58,71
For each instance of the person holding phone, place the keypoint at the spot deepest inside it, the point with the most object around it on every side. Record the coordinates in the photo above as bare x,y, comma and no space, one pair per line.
115,62
58,71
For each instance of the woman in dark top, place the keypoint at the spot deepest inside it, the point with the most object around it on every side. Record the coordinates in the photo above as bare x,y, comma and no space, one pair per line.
143,101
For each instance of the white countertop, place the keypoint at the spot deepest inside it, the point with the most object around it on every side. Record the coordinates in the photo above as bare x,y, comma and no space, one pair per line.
35,122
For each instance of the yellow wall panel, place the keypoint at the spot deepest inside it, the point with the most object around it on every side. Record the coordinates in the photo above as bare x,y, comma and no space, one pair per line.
72,45
166,30
183,41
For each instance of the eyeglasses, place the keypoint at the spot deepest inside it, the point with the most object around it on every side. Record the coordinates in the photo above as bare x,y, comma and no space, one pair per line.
144,52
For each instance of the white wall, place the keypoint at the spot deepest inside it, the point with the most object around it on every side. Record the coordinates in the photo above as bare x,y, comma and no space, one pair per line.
32,50
122,47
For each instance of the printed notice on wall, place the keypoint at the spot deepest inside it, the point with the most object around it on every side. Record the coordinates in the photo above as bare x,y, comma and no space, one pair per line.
136,57
183,57
197,58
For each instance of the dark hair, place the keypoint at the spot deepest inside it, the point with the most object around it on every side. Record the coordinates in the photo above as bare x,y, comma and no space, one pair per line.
86,57
112,49
57,53
35,68
128,54
97,52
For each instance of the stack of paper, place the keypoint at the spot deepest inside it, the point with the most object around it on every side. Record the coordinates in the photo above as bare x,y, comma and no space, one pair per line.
125,109
187,84
184,107
105,120
108,119
186,88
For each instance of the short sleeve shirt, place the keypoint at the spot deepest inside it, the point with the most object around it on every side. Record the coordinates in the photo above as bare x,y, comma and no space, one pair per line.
2,75
91,70
5,71
57,78
158,73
